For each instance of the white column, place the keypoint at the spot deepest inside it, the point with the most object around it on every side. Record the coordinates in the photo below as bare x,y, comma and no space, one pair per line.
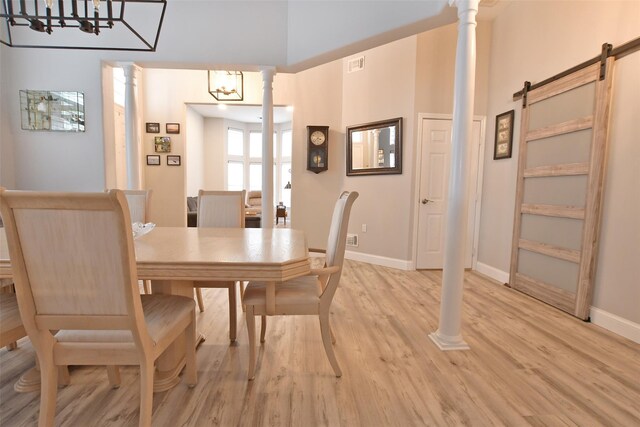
131,128
268,205
448,336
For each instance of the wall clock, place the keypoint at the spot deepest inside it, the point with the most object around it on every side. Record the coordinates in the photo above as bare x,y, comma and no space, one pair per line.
317,148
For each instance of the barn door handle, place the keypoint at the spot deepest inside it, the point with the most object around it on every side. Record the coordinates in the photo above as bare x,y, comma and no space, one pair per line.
425,201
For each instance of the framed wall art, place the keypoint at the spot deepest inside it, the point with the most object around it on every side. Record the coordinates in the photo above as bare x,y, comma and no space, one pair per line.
162,144
173,127
153,127
52,110
173,160
153,160
504,136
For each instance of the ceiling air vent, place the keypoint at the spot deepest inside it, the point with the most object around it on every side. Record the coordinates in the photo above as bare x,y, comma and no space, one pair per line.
355,64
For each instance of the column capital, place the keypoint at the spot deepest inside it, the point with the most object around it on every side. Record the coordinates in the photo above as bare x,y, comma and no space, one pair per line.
267,73
128,66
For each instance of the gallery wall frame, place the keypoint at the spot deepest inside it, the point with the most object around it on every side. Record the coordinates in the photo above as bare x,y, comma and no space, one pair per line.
173,128
504,136
153,127
173,161
153,160
162,144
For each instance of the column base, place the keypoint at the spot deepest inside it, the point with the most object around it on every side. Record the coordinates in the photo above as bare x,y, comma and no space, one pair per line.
446,343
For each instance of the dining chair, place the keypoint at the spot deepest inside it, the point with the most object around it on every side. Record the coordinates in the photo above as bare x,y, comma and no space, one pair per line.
74,270
221,209
138,201
306,295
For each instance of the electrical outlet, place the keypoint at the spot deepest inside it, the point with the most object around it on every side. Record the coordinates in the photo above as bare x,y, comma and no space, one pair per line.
364,228
352,240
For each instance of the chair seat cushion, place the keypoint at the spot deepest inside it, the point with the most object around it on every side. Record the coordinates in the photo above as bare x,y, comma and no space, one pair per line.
301,291
161,314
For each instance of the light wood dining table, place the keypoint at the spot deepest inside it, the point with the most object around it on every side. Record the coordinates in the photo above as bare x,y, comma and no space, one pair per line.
174,257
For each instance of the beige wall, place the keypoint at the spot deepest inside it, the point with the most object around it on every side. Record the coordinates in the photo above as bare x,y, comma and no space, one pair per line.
385,89
194,163
214,154
166,93
532,41
435,69
317,101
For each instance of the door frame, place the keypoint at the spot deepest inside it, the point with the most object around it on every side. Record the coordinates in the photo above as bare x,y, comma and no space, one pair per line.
416,190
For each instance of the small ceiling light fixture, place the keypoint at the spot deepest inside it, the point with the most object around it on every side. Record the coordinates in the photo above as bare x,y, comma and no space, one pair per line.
226,85
139,31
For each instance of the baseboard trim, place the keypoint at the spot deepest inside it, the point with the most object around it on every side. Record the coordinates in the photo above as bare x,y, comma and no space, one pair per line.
616,324
400,264
494,273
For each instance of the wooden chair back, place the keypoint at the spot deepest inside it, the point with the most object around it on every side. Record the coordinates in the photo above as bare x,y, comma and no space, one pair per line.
337,239
73,261
221,208
138,201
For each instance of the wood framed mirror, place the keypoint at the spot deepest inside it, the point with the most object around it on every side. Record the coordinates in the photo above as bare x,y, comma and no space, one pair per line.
375,148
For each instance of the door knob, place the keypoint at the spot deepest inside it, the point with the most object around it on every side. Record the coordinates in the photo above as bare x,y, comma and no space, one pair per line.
425,201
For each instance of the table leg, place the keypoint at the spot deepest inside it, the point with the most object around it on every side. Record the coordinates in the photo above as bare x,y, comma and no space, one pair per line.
171,362
271,298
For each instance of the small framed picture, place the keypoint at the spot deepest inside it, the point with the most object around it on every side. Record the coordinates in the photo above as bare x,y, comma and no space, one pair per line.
153,160
504,136
163,144
173,127
153,127
173,160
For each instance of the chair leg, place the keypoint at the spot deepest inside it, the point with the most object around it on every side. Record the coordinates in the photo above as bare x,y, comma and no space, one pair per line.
191,374
263,327
242,294
64,379
147,286
333,336
48,390
232,311
325,329
199,299
113,372
146,392
251,331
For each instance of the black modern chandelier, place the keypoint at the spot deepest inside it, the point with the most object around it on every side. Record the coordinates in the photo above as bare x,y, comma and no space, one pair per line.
50,24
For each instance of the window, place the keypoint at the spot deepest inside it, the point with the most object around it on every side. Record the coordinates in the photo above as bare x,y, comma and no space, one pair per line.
235,175
235,142
255,176
244,162
255,145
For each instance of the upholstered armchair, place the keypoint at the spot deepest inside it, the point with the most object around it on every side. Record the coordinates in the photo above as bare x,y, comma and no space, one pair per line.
254,203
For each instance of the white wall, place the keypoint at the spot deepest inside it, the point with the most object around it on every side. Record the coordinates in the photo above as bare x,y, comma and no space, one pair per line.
53,160
215,133
535,40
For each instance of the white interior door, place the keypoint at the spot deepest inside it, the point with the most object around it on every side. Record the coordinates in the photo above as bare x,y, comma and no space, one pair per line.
434,186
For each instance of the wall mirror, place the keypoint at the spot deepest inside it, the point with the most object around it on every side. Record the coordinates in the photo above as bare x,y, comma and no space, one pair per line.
52,111
375,148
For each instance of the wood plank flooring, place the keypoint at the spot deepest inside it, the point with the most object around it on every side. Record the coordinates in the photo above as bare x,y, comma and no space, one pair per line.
529,365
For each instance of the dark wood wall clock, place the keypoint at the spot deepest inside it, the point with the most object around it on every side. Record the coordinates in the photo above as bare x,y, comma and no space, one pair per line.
317,148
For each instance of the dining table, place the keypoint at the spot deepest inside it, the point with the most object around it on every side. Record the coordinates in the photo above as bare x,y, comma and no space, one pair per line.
173,258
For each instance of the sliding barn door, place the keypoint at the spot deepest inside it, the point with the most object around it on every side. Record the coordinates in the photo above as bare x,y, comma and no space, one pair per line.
561,166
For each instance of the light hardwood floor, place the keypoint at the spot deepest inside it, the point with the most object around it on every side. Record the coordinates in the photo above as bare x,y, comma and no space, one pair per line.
529,364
